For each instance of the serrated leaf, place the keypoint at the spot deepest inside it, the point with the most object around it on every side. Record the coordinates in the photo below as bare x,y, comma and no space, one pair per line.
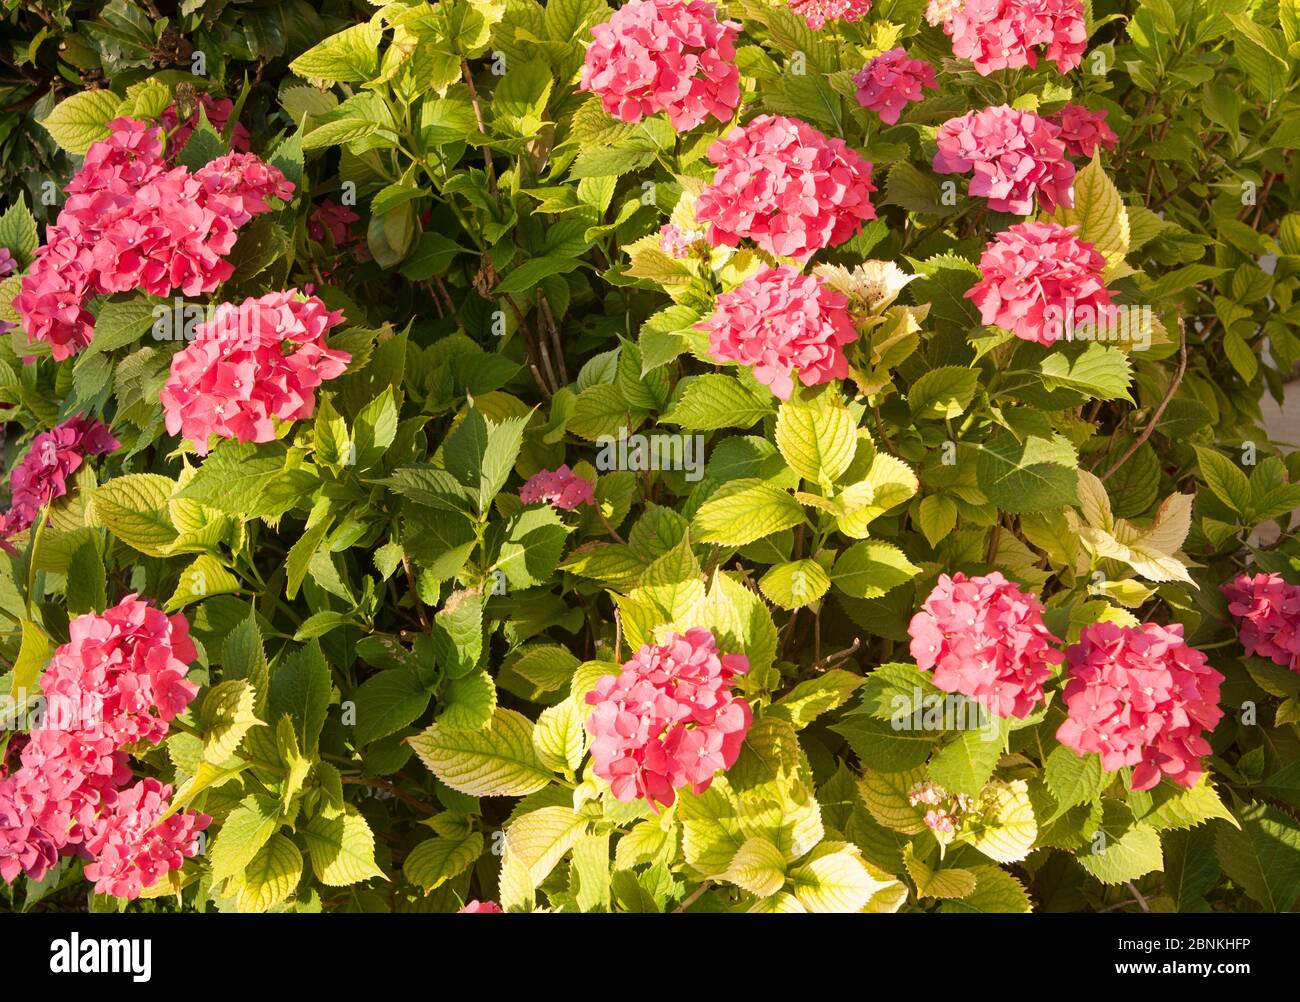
495,762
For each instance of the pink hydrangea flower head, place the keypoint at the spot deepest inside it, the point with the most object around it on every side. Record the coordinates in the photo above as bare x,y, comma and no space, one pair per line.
1013,155
250,365
817,12
1083,131
8,264
1039,280
132,222
562,488
664,55
217,110
939,12
782,323
1267,611
334,219
669,720
42,474
984,638
478,906
891,81
1139,696
787,187
131,848
1006,34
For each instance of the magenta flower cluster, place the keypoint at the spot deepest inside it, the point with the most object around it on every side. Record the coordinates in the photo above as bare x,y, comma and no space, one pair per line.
1267,611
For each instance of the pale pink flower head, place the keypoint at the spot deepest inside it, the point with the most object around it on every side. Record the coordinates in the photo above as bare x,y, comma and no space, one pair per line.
1005,34
1267,611
217,110
334,219
8,264
1013,155
787,187
679,243
985,639
561,488
249,366
782,323
939,12
476,906
1039,280
669,720
664,55
131,849
1083,131
1139,696
42,474
890,81
817,12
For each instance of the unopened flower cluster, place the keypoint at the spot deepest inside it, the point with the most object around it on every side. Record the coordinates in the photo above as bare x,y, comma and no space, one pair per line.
669,720
117,683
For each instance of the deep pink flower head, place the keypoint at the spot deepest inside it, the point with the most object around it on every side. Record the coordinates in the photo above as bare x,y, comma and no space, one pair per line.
1014,156
787,187
132,222
1083,131
130,850
117,683
217,110
664,55
334,219
562,488
892,80
1139,696
781,322
251,365
669,719
1039,281
8,264
1005,34
1267,611
42,474
985,639
817,12
478,906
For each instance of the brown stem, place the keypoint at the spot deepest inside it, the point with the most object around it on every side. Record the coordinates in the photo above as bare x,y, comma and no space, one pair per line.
478,117
1159,412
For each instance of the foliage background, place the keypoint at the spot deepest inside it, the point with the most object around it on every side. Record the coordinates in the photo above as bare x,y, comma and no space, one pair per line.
506,307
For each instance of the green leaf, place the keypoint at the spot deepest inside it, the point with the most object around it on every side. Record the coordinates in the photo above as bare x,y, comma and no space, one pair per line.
1100,372
758,867
246,829
1074,779
342,848
717,401
34,651
795,583
937,515
301,688
387,702
943,393
227,715
435,861
351,56
996,892
1263,856
811,698
965,764
205,577
271,875
817,438
18,232
559,737
1099,212
870,569
1004,828
78,121
134,509
1229,484
468,702
499,761
744,510
1038,474
834,879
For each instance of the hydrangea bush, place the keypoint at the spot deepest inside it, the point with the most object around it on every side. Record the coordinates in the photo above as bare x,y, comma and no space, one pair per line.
493,455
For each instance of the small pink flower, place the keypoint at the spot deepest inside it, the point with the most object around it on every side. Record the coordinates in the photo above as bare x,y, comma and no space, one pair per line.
8,265
1005,34
892,80
787,187
1014,155
783,323
1039,280
562,488
669,719
1139,696
249,366
334,219
664,55
817,12
481,906
131,849
42,474
679,243
1083,131
1267,611
985,639
217,111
